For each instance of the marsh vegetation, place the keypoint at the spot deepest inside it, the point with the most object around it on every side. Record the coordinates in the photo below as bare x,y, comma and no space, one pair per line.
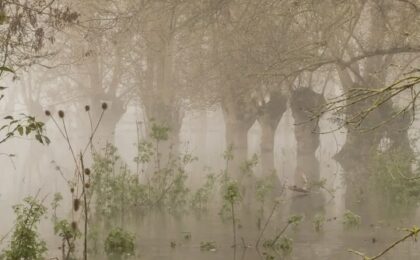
207,129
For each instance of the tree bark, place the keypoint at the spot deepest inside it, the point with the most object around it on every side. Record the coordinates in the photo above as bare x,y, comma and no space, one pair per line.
267,150
237,138
307,135
269,118
109,121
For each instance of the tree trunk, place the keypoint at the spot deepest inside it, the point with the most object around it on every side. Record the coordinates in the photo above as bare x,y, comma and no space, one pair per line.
307,171
267,150
270,115
109,121
307,135
269,118
237,139
202,128
239,116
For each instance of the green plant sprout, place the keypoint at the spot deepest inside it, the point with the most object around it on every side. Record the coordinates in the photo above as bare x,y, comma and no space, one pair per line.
351,220
318,222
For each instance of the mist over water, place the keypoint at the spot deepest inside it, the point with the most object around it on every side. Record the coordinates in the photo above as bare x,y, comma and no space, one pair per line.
204,129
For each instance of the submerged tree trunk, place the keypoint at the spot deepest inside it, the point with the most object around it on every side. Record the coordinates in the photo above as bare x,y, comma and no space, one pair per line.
303,101
239,116
267,150
307,172
202,129
237,141
269,118
237,124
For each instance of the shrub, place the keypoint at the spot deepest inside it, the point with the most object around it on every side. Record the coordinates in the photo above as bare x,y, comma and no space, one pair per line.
25,242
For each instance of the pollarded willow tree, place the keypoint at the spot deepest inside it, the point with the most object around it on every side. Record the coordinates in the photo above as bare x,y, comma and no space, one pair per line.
169,37
250,39
369,47
373,71
95,61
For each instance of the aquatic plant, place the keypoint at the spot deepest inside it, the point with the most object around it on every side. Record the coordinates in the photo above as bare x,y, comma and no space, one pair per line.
280,241
116,190
284,245
318,222
231,196
351,220
208,246
201,197
119,243
25,241
65,230
292,221
393,182
187,235
68,234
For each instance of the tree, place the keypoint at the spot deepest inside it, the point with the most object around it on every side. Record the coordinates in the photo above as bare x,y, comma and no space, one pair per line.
25,29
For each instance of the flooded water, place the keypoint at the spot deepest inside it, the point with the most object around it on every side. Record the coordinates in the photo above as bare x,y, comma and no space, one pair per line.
156,232
164,234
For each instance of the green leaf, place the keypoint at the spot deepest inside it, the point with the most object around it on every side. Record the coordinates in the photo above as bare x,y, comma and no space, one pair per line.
20,130
4,68
39,139
47,140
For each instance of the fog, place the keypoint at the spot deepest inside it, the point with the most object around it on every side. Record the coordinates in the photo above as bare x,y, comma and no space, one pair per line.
207,129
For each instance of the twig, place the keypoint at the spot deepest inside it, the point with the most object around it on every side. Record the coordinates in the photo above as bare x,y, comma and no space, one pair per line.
268,219
412,233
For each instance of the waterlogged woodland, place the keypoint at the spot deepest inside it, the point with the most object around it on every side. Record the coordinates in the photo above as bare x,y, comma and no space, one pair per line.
209,129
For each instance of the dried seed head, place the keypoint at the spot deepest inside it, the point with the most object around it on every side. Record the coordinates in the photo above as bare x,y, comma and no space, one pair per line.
61,113
87,171
104,105
76,204
74,225
47,113
72,189
87,108
87,185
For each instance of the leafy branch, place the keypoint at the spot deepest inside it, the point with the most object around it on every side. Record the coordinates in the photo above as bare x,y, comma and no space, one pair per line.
20,126
373,99
23,126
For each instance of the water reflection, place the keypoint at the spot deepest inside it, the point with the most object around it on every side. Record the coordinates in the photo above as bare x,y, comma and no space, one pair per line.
156,231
